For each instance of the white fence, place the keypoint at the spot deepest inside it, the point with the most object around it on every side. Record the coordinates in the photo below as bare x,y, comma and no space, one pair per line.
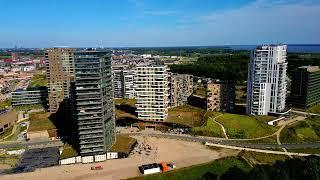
89,159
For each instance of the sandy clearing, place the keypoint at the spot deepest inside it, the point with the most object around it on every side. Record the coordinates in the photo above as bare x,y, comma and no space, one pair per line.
182,153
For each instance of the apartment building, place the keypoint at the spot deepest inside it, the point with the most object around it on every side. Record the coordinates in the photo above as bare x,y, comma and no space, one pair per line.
123,81
30,96
266,88
7,119
128,83
180,88
152,92
60,74
305,87
118,82
221,96
94,102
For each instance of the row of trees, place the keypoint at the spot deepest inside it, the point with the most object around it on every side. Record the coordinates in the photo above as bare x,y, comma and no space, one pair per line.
224,67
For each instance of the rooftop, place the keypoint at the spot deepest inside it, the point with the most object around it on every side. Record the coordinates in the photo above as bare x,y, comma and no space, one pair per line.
310,68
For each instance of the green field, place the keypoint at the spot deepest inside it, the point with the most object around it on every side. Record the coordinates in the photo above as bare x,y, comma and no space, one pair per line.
186,115
305,131
40,121
68,151
210,128
5,104
9,160
123,143
306,150
131,102
262,158
38,80
217,167
28,107
6,133
243,126
314,109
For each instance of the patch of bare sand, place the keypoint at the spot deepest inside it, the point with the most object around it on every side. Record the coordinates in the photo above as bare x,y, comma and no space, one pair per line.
182,153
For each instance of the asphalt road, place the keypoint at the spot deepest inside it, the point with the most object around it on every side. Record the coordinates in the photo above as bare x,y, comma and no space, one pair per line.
228,142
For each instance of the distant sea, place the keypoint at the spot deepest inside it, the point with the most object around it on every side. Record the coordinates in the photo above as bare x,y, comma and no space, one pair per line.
293,48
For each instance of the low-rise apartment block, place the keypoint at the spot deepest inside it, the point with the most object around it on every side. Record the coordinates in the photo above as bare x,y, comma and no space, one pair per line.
180,88
30,96
220,96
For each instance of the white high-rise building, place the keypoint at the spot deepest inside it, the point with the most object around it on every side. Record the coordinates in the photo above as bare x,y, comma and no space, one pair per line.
266,89
152,92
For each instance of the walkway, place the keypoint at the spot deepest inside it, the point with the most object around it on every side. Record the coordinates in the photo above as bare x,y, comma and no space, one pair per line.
293,121
222,127
258,150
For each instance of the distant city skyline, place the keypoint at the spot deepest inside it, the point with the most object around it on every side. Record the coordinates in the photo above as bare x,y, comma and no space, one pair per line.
143,23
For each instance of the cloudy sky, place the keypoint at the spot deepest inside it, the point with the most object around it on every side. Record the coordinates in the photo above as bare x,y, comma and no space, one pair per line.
122,23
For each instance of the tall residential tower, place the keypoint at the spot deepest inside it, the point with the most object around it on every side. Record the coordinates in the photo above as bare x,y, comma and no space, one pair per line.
94,102
60,74
266,89
152,92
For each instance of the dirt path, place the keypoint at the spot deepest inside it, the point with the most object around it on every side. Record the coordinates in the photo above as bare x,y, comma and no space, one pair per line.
222,127
293,121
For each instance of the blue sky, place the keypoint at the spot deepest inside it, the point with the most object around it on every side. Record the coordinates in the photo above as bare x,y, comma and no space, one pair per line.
110,23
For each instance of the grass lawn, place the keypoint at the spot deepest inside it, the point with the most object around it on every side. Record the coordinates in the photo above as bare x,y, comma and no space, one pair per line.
243,126
211,128
186,115
10,160
68,152
28,107
262,158
305,131
306,150
314,109
131,102
123,143
6,133
5,103
217,167
40,121
38,80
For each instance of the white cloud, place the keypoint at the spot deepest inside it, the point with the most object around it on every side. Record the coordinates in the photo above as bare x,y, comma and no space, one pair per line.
271,21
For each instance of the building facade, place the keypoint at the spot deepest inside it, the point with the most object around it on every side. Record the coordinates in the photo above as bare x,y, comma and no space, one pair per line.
221,96
180,88
305,87
152,93
30,96
123,81
7,119
94,102
266,88
118,82
60,74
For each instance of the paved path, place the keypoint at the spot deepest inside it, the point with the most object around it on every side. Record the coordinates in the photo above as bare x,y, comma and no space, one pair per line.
258,150
278,133
305,113
222,127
